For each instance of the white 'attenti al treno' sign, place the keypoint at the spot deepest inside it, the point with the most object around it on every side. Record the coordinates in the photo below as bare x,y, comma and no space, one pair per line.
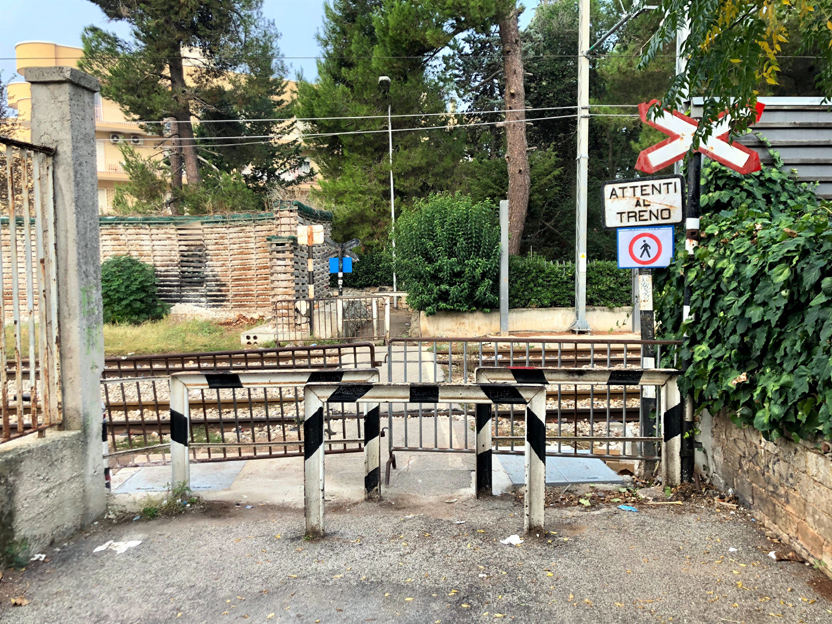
645,202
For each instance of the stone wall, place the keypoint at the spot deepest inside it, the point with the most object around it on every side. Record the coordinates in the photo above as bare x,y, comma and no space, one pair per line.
44,493
787,485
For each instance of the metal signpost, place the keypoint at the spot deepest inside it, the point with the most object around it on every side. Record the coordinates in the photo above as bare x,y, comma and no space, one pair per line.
643,212
342,263
642,246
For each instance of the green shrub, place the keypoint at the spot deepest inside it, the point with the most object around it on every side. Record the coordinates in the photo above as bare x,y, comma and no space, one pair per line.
759,342
128,289
535,282
449,254
371,270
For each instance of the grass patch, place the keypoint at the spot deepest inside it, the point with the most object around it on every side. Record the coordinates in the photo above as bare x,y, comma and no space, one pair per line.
176,501
172,336
165,336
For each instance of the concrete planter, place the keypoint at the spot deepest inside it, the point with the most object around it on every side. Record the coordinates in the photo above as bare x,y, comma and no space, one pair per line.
543,320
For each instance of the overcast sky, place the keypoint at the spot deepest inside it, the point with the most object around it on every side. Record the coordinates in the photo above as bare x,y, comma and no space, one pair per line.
61,21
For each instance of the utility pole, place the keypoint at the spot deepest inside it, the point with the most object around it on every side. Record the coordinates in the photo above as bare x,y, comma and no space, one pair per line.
384,85
581,324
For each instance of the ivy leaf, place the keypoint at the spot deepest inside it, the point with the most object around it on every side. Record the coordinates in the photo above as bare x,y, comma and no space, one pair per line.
781,273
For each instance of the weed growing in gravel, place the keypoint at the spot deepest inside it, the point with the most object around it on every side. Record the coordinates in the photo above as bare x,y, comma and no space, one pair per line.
176,501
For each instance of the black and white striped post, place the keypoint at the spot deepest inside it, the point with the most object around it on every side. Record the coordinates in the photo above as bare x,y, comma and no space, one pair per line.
105,447
372,452
484,466
179,433
672,433
180,383
534,501
534,397
313,464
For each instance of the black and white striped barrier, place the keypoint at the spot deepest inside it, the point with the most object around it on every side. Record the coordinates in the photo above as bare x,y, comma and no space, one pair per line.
180,383
105,447
666,378
672,434
595,376
318,395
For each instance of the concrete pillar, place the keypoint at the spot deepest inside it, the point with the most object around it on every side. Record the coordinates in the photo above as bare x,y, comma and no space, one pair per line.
63,117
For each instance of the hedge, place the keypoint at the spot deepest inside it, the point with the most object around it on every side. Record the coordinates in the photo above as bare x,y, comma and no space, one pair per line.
449,254
535,282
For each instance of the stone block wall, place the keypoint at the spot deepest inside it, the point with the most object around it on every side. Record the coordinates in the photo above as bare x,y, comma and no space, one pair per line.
787,485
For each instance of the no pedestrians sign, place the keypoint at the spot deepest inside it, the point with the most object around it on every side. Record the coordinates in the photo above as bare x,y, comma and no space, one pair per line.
645,248
644,202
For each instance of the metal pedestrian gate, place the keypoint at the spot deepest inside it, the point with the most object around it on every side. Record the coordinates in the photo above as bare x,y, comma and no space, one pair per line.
226,424
608,421
669,406
524,387
532,398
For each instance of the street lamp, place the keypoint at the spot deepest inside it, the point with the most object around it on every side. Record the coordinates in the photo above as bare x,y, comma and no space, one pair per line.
384,87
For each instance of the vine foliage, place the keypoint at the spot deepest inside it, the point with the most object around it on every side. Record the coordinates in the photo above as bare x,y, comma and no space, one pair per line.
759,341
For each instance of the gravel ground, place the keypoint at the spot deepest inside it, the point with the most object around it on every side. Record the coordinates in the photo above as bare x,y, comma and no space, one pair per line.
402,562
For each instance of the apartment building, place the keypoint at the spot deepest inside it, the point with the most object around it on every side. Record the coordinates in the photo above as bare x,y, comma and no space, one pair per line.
111,127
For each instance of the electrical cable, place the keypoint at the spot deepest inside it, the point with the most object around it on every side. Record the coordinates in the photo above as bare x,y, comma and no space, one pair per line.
352,132
265,139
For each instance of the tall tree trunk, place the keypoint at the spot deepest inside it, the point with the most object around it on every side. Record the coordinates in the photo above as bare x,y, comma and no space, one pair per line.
183,116
175,157
517,155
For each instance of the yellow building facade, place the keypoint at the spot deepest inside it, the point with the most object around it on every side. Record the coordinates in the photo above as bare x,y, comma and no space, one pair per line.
111,127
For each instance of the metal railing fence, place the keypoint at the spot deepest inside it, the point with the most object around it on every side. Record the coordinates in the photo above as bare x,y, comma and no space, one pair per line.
604,421
226,423
29,399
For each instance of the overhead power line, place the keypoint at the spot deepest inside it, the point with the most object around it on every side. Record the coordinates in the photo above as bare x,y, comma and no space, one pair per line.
266,138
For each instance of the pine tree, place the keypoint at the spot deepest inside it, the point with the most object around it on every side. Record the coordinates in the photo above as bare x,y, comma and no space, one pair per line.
430,25
355,167
199,59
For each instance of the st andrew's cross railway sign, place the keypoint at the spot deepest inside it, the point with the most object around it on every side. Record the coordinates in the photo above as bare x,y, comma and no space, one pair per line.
643,202
681,129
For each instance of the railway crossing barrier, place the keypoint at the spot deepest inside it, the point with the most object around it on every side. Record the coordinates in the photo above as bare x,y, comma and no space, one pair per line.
671,421
317,395
181,383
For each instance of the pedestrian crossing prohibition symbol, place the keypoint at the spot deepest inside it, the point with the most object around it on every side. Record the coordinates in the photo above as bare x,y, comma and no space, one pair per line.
645,248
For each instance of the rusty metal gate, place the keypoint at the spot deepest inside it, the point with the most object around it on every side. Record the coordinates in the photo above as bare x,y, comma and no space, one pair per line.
226,423
604,421
29,375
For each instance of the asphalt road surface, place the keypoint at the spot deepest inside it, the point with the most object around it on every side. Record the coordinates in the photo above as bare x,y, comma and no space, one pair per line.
422,562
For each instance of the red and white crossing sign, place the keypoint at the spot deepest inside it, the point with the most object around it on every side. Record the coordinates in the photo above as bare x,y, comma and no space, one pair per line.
680,130
645,247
